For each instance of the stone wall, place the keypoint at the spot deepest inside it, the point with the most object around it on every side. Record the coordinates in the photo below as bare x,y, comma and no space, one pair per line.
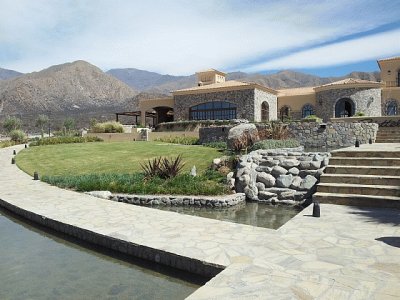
280,176
205,201
366,100
214,134
333,135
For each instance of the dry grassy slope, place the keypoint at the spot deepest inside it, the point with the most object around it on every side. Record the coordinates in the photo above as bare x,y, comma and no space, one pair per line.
77,86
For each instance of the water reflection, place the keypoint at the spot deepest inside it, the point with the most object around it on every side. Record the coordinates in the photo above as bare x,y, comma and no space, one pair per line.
255,214
37,264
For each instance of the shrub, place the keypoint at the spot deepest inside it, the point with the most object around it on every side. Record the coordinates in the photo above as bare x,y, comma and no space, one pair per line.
244,141
275,144
18,136
107,127
41,121
65,140
183,140
4,144
217,145
163,167
360,114
12,123
312,118
69,124
279,131
207,184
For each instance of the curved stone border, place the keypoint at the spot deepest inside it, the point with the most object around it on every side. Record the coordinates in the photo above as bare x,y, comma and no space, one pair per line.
168,200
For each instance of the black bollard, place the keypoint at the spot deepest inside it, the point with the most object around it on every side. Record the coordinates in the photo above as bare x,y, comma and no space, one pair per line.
35,176
13,161
316,210
357,143
26,146
370,141
14,152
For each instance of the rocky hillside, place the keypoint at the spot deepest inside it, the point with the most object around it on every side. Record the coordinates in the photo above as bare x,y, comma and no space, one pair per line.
7,74
71,87
164,84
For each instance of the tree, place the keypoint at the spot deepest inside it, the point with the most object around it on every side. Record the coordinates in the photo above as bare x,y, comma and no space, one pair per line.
41,122
69,124
12,123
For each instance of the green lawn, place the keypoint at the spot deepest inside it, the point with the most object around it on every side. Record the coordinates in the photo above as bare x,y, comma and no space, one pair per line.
123,157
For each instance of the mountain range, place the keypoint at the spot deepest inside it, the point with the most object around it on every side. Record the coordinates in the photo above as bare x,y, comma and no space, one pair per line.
80,88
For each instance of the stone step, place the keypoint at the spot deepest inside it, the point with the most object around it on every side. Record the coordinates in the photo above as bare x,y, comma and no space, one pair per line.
387,140
388,133
357,200
386,129
361,153
364,161
360,179
363,170
360,189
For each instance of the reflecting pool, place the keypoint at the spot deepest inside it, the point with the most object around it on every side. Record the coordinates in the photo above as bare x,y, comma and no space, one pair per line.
250,213
36,263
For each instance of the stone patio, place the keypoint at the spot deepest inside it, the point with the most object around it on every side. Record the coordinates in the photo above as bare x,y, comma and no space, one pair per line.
348,253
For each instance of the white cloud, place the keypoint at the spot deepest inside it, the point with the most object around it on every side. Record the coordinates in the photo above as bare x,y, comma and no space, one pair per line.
361,49
176,37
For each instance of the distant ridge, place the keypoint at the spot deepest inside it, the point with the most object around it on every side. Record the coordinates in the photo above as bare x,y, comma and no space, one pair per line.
164,84
8,74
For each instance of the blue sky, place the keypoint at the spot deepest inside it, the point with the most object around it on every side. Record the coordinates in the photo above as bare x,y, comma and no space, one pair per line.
180,37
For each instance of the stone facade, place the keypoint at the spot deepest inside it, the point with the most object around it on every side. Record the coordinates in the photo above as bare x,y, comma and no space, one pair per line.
272,100
333,135
366,100
247,101
213,134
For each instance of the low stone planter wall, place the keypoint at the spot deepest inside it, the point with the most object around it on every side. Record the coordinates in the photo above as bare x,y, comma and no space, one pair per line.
151,200
280,176
332,135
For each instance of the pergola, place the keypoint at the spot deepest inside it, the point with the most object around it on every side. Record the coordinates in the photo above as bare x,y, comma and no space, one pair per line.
136,114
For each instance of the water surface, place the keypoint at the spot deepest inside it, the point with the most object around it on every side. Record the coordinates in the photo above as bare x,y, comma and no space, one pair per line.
250,213
36,263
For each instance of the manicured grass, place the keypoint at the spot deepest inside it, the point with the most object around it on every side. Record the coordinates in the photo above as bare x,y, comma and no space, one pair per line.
117,158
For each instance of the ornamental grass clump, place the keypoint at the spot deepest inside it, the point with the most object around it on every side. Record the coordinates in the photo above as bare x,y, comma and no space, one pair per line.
163,167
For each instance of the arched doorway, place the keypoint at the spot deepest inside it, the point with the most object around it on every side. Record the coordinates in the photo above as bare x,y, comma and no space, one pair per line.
264,111
163,114
344,108
284,112
307,110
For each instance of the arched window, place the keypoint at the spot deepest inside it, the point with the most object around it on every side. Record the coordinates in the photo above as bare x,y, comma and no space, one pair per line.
307,110
284,112
217,110
264,111
391,108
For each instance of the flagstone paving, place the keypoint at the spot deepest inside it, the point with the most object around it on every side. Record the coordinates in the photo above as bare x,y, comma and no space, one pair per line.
348,253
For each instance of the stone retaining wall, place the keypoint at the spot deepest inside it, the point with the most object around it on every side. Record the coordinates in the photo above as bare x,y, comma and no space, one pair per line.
150,200
332,135
280,176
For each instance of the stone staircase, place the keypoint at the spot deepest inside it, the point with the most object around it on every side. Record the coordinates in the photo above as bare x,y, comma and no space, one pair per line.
388,135
362,177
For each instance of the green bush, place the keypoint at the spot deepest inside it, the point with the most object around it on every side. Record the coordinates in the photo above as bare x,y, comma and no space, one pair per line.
12,123
312,118
207,184
360,114
107,127
65,140
275,144
183,140
4,144
217,145
18,136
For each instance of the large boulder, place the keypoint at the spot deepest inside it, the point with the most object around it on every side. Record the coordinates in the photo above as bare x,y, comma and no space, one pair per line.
242,136
267,179
278,170
284,181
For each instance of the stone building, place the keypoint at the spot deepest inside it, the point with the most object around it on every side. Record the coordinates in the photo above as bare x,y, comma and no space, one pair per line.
214,98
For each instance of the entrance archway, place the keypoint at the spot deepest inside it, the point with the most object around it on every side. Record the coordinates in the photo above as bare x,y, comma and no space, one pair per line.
344,108
163,114
264,111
